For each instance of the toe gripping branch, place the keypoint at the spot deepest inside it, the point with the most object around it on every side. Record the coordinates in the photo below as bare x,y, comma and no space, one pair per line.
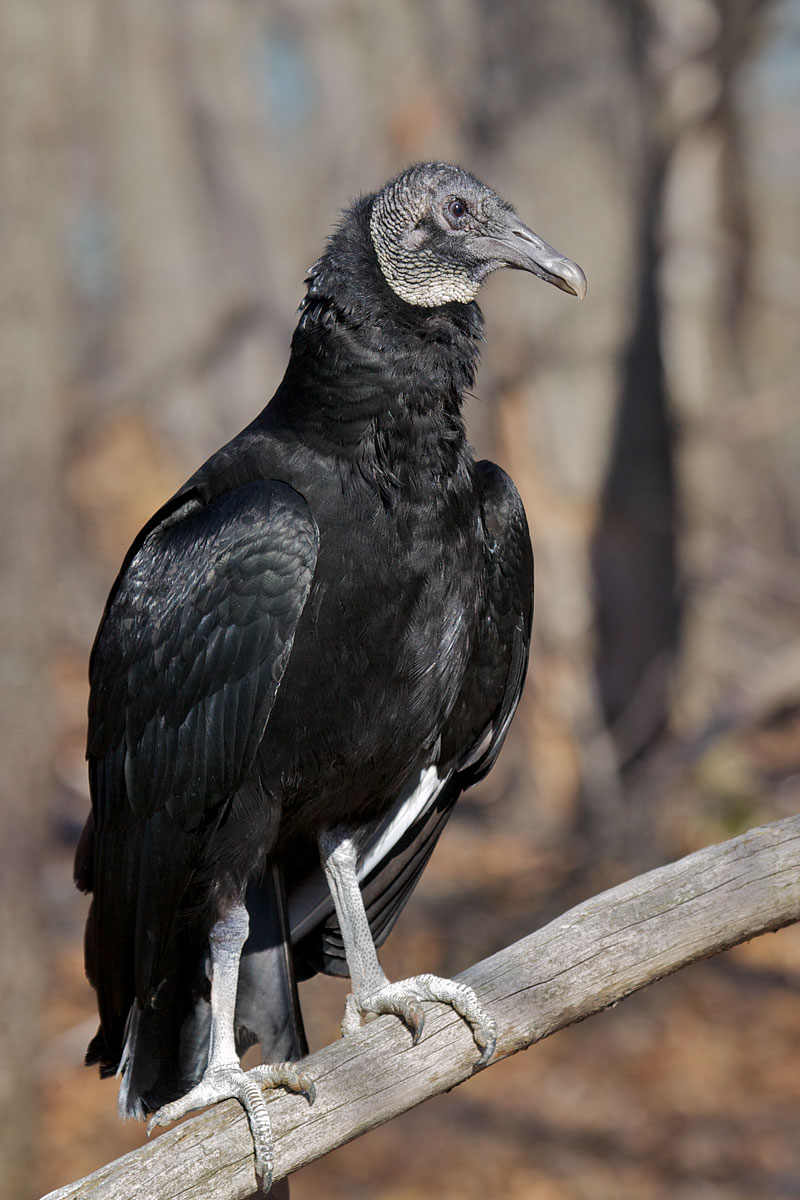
232,1083
404,998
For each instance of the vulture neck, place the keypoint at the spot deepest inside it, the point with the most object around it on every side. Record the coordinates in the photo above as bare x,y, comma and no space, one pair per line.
371,379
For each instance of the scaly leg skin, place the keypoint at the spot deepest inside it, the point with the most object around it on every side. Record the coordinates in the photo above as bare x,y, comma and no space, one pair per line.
372,993
224,1078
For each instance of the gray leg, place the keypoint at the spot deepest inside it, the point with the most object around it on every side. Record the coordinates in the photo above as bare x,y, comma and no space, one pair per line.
372,993
224,1078
226,941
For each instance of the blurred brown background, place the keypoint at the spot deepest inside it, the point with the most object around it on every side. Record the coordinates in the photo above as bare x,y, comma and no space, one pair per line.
167,173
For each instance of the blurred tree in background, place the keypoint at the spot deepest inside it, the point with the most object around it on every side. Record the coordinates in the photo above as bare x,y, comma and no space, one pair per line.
30,445
168,172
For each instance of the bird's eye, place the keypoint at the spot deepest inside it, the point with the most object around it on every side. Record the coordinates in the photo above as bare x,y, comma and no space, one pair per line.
456,209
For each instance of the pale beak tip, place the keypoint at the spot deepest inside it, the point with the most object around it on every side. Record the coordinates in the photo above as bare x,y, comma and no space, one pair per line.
573,278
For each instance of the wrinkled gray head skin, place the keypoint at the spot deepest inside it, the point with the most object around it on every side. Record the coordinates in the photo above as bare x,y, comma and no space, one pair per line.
438,232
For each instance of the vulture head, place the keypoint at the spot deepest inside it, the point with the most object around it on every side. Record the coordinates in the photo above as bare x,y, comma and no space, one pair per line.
438,232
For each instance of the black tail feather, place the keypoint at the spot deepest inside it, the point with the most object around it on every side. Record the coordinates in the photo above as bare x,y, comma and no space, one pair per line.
267,1004
166,1043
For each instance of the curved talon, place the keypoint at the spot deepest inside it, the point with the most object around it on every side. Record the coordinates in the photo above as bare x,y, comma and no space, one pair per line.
404,1005
415,1022
489,1047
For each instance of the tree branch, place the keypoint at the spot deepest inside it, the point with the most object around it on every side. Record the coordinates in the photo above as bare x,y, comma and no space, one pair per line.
586,960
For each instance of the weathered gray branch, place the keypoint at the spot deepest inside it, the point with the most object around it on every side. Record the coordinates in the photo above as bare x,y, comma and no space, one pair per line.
587,959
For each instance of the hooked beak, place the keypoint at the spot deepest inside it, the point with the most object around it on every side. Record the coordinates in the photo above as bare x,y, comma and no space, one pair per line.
519,247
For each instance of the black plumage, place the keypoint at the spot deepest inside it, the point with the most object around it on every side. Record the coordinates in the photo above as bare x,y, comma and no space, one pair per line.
326,628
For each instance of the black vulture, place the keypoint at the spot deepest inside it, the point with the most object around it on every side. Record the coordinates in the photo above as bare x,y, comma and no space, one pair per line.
310,651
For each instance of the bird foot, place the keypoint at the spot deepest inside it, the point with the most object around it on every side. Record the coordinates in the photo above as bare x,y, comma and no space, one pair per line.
230,1082
403,999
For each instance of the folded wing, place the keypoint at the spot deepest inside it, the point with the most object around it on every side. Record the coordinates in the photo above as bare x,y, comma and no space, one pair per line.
185,669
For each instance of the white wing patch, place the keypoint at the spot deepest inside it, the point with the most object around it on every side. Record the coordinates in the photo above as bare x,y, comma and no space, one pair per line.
400,819
311,903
